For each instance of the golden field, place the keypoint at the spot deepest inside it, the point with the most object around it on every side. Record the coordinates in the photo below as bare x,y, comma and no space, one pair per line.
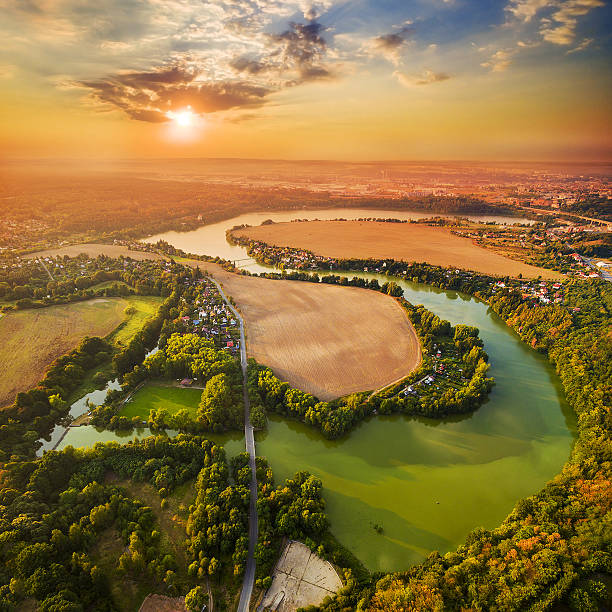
410,242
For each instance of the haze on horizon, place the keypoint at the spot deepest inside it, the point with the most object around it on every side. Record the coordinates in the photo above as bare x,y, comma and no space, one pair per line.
295,79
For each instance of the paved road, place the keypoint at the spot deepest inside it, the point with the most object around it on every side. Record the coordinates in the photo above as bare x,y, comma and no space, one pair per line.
249,574
603,272
553,211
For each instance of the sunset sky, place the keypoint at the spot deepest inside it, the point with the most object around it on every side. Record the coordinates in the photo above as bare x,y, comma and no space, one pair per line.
333,79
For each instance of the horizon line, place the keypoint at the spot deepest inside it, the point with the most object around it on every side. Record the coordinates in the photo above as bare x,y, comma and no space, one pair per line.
84,160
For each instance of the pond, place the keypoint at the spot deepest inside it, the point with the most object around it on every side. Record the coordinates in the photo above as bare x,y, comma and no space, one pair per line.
426,483
88,435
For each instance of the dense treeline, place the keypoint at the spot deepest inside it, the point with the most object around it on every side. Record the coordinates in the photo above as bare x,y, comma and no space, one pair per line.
337,417
54,510
76,278
555,546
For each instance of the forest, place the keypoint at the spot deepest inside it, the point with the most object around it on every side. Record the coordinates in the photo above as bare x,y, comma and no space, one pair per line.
56,511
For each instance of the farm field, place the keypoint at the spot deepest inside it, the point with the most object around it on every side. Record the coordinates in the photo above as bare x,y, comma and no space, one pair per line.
400,241
93,250
327,340
30,340
155,397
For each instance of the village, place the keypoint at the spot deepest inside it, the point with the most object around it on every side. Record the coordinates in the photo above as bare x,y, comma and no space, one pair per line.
210,318
444,368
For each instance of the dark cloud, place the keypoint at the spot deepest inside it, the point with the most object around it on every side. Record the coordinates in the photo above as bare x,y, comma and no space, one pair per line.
316,73
148,96
246,64
296,55
394,40
301,44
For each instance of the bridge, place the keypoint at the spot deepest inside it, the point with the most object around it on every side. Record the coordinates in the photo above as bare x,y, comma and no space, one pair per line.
237,263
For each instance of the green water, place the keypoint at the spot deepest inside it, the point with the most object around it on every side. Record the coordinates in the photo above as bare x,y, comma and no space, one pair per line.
88,435
429,483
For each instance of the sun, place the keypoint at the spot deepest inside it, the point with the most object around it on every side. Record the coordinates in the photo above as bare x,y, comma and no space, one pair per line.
182,118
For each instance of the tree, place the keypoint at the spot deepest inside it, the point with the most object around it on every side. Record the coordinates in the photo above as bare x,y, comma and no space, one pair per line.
216,408
196,599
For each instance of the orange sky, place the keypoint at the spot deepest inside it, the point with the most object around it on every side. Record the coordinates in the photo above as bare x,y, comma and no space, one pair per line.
304,82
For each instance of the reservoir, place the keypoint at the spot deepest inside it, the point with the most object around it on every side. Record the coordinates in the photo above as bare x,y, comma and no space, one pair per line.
426,482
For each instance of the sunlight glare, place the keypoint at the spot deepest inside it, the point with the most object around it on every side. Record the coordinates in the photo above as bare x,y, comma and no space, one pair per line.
183,118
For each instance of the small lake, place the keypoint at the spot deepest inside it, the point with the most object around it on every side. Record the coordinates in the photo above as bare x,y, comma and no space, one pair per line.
88,435
428,483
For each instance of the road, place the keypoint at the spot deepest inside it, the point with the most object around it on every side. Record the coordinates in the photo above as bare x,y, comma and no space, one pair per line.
249,573
553,211
603,272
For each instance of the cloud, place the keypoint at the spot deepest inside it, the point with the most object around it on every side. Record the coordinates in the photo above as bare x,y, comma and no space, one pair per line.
560,29
427,77
391,45
500,60
301,44
581,47
558,25
294,56
148,96
525,10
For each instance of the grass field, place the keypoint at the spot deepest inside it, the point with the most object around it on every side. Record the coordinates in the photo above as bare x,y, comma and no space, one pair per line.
400,241
145,307
31,339
172,399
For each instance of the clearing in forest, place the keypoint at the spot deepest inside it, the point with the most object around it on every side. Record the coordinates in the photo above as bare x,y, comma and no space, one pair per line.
93,250
401,241
171,398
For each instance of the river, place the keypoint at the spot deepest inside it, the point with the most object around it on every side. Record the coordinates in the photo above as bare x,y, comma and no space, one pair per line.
210,239
426,482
